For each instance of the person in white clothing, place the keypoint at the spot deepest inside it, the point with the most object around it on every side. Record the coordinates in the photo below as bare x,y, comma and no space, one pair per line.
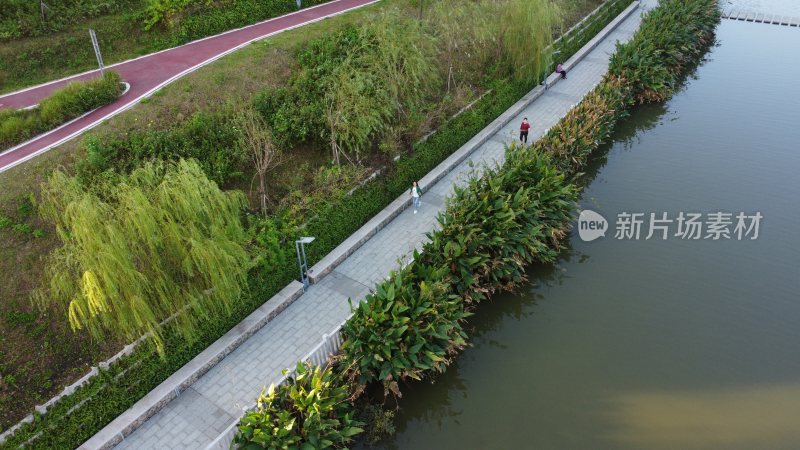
415,195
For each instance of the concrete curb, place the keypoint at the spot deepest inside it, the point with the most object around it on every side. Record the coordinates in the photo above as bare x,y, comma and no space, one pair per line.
329,263
113,433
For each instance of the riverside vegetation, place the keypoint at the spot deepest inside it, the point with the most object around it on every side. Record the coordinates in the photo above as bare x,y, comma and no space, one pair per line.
510,216
39,47
216,139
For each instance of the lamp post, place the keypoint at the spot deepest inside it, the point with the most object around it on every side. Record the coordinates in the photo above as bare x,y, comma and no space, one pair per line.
299,245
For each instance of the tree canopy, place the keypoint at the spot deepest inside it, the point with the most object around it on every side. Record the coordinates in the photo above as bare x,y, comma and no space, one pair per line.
163,243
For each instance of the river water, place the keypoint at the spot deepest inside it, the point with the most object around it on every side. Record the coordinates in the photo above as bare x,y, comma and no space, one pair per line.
654,344
789,8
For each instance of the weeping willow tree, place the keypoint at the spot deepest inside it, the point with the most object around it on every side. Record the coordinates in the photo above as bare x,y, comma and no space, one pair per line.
164,244
526,31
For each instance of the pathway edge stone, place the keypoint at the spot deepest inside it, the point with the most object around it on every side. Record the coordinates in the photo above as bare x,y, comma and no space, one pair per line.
113,433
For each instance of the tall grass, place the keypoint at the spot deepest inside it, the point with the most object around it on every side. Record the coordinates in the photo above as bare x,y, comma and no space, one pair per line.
526,27
63,105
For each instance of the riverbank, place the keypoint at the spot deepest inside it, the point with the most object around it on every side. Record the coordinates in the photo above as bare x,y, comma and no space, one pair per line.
220,392
392,337
629,344
142,371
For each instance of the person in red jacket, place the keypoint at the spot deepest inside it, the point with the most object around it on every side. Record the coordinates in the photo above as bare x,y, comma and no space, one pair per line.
523,131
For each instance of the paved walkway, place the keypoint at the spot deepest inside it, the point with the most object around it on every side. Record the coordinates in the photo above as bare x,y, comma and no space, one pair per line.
150,73
203,411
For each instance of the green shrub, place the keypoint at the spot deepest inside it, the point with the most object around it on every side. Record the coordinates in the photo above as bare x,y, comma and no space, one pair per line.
208,18
187,20
213,139
20,18
63,105
310,410
409,326
296,113
670,39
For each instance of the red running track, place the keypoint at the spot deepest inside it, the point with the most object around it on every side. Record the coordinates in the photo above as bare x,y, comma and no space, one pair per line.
149,73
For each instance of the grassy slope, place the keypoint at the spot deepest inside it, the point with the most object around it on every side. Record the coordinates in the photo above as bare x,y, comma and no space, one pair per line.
30,61
37,350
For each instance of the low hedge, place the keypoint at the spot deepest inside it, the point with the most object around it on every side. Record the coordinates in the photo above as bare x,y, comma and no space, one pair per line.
507,218
63,105
80,415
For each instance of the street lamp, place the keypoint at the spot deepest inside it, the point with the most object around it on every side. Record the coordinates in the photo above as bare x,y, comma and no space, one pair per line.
299,245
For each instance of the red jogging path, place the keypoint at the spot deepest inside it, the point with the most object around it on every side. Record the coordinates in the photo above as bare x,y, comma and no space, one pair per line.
148,74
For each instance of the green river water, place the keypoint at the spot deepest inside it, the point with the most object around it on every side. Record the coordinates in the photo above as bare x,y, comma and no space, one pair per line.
654,344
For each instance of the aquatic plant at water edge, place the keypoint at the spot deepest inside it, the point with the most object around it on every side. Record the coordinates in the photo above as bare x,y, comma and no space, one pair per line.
671,37
501,222
409,326
573,139
310,410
